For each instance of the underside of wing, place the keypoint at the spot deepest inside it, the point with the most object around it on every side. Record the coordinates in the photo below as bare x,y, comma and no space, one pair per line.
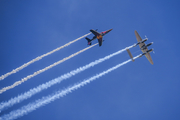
139,39
148,56
100,41
95,32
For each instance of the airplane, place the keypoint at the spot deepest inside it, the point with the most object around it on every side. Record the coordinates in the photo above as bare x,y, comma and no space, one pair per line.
98,36
143,48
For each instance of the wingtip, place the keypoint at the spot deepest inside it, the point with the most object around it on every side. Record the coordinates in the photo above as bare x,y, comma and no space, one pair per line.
152,63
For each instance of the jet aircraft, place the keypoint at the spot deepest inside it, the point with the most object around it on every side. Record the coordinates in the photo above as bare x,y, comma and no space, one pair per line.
98,36
143,48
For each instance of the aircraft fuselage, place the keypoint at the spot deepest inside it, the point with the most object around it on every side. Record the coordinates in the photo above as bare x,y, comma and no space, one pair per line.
145,46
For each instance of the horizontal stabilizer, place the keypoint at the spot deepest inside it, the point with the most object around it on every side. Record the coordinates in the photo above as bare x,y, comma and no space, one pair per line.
89,41
130,54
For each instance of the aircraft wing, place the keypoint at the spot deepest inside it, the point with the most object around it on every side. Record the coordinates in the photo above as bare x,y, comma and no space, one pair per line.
148,56
95,32
100,41
139,39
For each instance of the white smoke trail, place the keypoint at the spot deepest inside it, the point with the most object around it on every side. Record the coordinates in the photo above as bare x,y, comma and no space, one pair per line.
42,70
46,85
40,57
48,99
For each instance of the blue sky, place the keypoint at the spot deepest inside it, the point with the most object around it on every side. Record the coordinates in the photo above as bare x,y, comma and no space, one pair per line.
137,90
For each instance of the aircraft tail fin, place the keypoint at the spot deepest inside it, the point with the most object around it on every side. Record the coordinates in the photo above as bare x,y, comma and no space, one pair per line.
89,41
130,55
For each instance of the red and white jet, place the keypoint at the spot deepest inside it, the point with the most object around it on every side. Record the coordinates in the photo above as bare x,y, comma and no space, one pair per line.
98,36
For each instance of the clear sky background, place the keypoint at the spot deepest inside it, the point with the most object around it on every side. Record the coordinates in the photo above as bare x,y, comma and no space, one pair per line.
137,90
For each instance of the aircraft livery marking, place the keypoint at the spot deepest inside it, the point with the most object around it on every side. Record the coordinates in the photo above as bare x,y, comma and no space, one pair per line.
99,36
